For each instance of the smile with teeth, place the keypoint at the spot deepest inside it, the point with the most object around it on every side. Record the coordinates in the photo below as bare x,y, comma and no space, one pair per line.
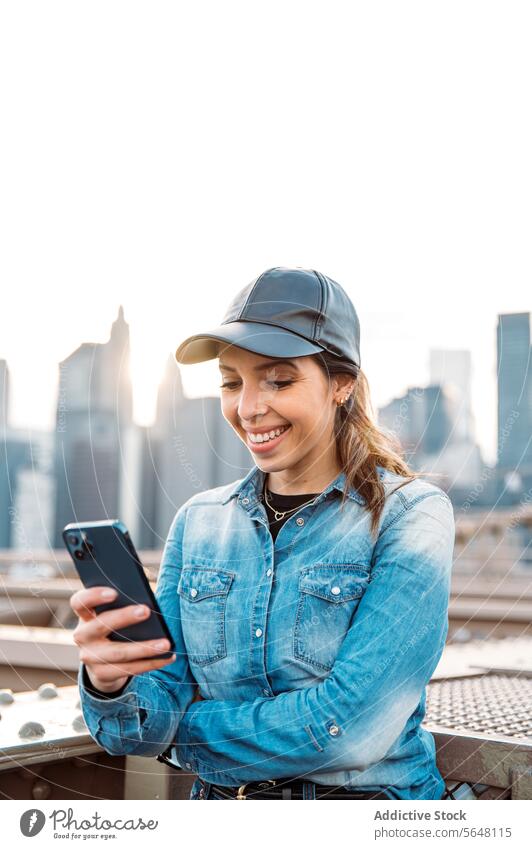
266,437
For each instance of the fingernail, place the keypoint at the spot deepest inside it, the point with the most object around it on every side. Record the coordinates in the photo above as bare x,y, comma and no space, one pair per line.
140,611
161,644
108,593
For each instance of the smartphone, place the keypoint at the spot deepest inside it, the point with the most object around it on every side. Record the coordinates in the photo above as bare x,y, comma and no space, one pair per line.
104,555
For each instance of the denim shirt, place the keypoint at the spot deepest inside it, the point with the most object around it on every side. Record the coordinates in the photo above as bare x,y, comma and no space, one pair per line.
311,653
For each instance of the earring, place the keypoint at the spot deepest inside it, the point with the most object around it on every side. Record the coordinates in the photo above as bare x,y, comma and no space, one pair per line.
343,400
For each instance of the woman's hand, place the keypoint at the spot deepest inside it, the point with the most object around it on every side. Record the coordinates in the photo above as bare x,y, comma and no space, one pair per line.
108,662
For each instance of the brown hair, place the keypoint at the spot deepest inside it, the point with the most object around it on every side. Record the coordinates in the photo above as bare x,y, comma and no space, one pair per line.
361,444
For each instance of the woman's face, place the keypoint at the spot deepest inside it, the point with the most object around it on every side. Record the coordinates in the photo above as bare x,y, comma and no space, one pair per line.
260,396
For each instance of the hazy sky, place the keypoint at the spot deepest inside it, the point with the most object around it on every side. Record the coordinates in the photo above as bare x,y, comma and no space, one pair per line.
163,155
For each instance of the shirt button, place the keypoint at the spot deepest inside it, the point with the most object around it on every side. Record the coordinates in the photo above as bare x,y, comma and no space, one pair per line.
193,592
269,572
245,501
336,590
300,521
333,730
188,766
258,632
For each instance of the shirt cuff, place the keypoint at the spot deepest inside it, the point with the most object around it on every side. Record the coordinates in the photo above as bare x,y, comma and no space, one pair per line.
104,703
184,747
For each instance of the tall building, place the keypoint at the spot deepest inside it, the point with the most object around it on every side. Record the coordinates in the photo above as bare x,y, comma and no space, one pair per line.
514,407
460,459
421,419
94,411
4,397
452,369
424,422
15,458
35,495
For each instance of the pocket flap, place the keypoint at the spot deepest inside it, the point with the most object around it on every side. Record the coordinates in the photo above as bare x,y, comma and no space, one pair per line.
334,582
197,583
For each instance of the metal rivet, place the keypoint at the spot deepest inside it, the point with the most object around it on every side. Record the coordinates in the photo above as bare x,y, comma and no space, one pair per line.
334,730
31,729
48,691
300,521
245,501
193,592
41,790
78,723
336,590
6,697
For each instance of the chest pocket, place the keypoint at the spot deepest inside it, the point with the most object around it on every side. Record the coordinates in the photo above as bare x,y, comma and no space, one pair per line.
327,599
203,597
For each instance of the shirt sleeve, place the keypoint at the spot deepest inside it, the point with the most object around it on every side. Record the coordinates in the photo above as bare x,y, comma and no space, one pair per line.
94,691
351,718
143,716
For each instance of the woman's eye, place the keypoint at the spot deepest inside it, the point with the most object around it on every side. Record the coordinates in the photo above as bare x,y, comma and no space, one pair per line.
277,383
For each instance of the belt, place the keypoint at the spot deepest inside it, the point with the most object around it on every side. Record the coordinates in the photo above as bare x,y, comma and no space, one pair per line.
274,788
288,789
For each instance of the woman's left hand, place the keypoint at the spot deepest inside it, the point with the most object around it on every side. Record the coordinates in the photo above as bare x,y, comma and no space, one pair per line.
198,697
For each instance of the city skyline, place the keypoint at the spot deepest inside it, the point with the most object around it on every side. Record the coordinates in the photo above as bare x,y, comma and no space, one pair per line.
104,463
202,380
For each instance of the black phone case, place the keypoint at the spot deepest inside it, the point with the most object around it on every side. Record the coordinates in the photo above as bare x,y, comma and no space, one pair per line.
110,559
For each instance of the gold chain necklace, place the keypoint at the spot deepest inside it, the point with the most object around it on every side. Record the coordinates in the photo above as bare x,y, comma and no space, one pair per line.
280,515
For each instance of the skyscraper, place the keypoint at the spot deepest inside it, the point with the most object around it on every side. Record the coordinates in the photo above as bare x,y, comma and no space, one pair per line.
452,369
514,406
15,457
4,397
94,409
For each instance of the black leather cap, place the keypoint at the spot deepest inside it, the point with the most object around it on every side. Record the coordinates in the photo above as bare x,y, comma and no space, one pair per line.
285,312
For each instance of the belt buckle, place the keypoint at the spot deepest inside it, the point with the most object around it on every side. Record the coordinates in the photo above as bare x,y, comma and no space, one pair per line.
241,795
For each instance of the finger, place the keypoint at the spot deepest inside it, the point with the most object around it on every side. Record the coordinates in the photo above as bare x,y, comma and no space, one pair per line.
83,601
108,651
104,623
109,672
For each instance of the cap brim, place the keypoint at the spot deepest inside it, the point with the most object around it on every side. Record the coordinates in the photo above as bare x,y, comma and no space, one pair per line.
259,338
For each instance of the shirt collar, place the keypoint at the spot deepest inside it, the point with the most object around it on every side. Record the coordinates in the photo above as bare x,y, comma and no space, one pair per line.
251,485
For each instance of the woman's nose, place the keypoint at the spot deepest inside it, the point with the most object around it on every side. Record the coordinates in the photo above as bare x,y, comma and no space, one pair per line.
251,403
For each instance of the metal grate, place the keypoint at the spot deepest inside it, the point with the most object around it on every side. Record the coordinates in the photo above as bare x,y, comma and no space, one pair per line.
492,704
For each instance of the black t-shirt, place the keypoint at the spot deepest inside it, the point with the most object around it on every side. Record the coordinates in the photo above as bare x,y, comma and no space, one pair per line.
282,503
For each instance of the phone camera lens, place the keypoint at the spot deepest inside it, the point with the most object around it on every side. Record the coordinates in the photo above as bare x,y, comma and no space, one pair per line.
79,554
86,543
73,540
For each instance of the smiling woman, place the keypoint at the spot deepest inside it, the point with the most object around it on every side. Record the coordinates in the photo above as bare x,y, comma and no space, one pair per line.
283,412
310,627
